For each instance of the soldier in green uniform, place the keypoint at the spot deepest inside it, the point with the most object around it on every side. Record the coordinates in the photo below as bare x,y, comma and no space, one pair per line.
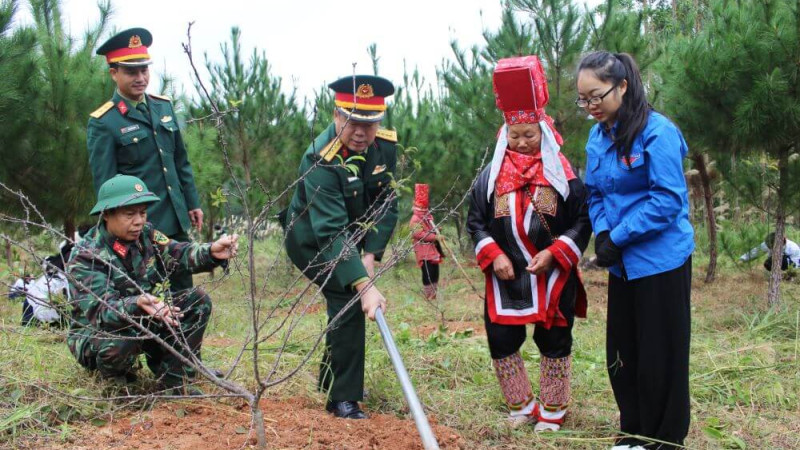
137,134
344,207
115,275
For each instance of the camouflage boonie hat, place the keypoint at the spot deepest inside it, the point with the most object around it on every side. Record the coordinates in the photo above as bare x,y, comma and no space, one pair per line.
122,190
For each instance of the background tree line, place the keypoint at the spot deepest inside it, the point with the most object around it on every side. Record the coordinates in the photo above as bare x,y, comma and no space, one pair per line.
724,70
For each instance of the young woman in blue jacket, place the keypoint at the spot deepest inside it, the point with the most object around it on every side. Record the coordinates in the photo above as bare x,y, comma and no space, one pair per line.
639,209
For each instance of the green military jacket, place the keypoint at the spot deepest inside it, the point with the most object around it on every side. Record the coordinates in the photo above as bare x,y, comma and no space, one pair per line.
340,198
100,265
122,140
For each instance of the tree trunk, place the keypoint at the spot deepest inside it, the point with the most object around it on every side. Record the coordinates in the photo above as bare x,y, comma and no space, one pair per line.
711,220
9,253
774,291
69,227
258,424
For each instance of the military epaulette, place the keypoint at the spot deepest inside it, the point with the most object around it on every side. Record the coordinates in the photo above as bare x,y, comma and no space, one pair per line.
387,135
330,150
160,97
98,113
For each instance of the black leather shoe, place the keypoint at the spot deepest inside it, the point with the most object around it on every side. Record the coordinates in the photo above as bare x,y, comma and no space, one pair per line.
345,410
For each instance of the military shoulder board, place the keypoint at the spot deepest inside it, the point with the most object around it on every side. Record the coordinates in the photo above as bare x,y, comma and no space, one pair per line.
159,238
330,150
387,135
160,97
98,113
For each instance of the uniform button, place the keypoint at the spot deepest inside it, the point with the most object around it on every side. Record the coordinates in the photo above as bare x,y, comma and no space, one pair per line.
165,170
135,140
380,183
169,188
355,193
155,133
161,151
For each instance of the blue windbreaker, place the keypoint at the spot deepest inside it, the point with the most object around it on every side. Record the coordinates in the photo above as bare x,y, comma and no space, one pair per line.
646,207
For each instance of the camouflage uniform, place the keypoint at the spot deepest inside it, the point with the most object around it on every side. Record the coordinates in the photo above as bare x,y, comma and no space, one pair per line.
101,336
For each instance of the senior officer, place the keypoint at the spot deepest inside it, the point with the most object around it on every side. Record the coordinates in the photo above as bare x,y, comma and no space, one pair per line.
116,269
346,182
137,134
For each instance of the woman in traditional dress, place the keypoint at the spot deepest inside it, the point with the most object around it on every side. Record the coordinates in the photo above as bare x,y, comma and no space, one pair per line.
528,219
639,207
426,242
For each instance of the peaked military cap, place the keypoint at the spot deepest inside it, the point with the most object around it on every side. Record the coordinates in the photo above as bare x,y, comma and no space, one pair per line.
362,97
122,190
128,48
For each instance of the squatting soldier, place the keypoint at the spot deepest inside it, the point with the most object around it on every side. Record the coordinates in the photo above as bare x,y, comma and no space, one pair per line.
116,272
345,205
137,134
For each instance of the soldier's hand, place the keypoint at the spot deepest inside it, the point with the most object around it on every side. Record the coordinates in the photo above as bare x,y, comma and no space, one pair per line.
371,300
502,268
225,247
369,263
154,307
196,217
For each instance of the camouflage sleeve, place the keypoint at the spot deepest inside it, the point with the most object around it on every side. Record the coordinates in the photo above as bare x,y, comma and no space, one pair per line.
189,256
93,294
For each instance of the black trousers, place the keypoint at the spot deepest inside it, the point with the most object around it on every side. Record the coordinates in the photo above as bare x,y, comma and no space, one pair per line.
430,273
505,340
341,372
647,350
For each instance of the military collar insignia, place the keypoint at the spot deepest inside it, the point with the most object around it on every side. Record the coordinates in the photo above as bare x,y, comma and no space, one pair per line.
120,249
166,119
129,129
365,91
159,238
135,41
122,107
379,169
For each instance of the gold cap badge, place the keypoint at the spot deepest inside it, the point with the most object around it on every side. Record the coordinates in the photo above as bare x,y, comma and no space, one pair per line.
135,41
365,91
138,187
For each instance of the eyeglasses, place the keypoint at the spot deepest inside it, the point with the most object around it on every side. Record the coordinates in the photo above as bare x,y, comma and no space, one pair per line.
582,103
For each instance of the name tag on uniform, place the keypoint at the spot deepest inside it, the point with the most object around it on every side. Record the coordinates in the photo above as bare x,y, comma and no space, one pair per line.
379,169
129,129
352,179
166,119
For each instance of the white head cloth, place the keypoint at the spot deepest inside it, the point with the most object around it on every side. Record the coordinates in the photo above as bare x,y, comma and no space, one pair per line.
553,169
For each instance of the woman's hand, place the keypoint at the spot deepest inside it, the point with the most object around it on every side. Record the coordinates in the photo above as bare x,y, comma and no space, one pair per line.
502,268
542,262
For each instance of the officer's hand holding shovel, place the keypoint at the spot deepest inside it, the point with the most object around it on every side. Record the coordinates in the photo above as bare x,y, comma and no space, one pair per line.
154,307
225,247
371,299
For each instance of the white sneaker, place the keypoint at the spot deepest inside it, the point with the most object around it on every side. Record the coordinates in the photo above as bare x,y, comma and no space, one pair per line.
546,426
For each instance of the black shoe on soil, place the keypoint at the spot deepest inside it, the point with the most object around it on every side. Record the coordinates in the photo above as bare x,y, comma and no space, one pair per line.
345,410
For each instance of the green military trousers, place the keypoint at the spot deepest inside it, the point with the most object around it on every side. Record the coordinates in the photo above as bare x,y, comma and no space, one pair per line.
112,356
180,279
341,372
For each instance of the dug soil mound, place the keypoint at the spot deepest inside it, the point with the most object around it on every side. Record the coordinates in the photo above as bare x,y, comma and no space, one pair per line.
290,424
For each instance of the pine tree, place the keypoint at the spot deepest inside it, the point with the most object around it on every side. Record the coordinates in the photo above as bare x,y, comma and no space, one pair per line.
738,80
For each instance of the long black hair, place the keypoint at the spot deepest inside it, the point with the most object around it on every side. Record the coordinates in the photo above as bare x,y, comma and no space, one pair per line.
634,111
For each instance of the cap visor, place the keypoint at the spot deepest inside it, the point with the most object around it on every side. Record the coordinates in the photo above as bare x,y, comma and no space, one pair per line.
362,116
134,63
124,200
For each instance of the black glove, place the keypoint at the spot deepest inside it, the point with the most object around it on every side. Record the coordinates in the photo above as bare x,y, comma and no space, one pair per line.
607,252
